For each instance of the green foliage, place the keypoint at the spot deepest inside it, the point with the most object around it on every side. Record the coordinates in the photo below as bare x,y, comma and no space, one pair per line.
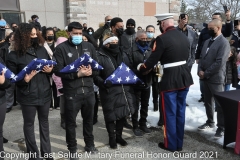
61,33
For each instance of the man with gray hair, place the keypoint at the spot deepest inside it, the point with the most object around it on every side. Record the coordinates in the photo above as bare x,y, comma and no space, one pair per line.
140,53
212,70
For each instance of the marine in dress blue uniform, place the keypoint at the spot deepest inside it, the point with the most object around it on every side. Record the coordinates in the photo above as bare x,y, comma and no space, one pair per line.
171,48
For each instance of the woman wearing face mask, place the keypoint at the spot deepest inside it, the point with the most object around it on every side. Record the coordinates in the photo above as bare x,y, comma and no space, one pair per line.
49,44
34,91
90,31
117,100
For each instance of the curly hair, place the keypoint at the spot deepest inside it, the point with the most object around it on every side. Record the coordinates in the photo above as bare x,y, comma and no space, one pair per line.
233,58
22,38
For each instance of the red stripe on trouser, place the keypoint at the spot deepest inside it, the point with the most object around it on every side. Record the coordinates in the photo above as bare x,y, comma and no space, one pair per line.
164,121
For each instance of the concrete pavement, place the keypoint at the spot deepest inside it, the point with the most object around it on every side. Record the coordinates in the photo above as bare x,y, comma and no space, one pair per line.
195,145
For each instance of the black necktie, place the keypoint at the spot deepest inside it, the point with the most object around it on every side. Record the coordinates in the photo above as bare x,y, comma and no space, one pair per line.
210,43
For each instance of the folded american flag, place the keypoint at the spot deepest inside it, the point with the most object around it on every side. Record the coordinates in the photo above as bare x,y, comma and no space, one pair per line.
85,60
35,64
8,74
123,75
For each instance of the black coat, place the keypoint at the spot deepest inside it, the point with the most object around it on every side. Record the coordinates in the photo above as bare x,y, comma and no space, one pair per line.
236,38
231,74
137,58
66,53
3,86
168,50
118,100
37,91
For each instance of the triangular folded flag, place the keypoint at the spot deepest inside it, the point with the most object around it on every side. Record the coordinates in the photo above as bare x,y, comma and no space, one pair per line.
85,60
123,75
8,74
35,64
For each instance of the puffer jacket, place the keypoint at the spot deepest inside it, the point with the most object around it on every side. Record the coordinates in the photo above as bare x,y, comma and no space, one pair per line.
118,100
3,86
231,74
37,91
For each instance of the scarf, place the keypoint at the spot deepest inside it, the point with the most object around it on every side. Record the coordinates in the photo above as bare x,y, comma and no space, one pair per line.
142,49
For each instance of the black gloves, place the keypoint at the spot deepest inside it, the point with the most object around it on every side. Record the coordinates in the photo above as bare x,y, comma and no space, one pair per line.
107,25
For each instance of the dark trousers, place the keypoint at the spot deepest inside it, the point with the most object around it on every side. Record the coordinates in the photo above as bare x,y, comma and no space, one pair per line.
201,82
10,96
155,92
95,115
209,90
174,106
55,100
73,103
111,128
29,114
144,95
2,118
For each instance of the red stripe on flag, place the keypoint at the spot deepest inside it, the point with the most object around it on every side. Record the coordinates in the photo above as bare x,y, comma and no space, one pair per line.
164,121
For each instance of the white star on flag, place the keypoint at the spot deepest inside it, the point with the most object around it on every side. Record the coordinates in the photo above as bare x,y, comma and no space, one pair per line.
15,78
119,79
72,67
39,66
45,60
123,75
4,69
12,75
127,69
96,65
135,77
113,75
82,59
25,68
90,60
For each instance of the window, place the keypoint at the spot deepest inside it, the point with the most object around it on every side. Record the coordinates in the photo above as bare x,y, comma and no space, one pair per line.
149,8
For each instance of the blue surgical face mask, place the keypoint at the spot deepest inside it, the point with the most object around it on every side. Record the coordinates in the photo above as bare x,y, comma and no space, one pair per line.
90,33
150,35
76,40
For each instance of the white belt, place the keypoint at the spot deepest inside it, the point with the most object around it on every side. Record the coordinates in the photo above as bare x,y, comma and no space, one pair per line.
174,64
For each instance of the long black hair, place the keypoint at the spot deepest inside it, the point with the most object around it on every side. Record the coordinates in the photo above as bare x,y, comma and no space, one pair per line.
44,33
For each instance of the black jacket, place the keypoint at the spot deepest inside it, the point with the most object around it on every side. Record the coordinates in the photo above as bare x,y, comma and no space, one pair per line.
118,100
236,38
226,31
3,86
231,74
37,92
137,58
168,50
4,52
66,53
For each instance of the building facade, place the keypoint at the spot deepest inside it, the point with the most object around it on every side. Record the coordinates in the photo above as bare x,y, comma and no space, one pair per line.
60,12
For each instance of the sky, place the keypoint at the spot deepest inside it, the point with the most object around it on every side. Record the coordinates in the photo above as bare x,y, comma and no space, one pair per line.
195,112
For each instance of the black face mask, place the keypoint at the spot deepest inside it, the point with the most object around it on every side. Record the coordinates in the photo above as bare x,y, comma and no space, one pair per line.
34,41
50,38
119,31
130,30
161,28
113,46
142,43
211,33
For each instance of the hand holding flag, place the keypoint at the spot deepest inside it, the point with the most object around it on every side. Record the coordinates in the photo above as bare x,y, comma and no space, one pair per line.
36,65
84,71
84,60
123,75
7,73
2,78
